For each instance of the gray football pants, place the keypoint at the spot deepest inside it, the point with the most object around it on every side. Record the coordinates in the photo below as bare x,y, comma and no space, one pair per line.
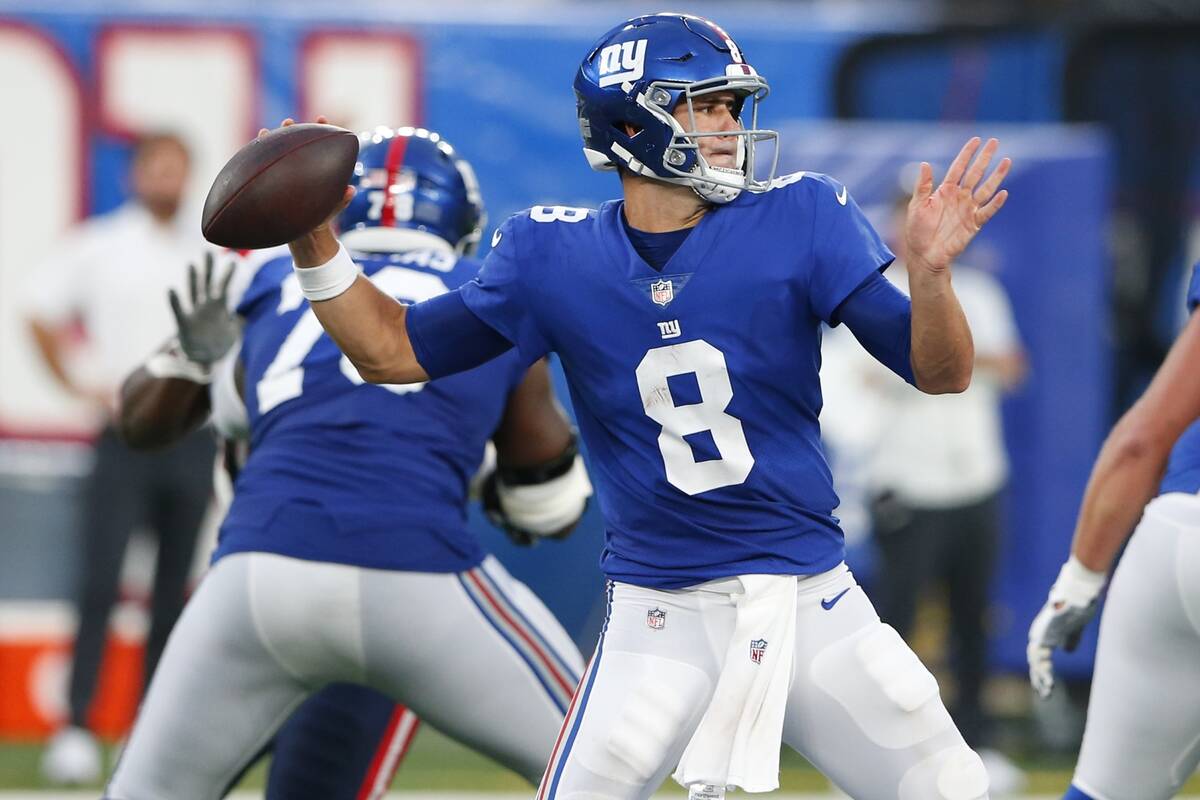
474,654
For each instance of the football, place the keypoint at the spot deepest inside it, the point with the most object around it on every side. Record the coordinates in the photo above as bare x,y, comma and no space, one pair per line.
279,186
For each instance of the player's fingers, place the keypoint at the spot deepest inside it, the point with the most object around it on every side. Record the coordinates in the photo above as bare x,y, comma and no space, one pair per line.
287,123
924,183
1039,676
959,165
982,215
176,308
989,187
262,132
229,268
347,196
208,270
979,165
193,288
321,118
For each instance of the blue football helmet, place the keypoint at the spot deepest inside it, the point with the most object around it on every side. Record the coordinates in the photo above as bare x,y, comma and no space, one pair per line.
638,73
410,179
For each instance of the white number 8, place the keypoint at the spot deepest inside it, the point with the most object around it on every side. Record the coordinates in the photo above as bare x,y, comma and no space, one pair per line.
712,377
557,214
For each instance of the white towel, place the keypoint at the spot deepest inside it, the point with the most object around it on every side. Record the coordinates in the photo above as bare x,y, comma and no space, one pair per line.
737,742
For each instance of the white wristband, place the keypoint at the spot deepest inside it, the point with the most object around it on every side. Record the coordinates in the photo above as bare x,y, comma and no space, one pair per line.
171,362
1077,584
329,279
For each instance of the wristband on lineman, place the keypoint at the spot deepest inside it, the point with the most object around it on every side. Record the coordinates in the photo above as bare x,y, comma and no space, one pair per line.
171,362
1077,584
329,279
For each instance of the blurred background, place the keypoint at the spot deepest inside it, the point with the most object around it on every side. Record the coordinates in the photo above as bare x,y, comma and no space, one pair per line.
1094,101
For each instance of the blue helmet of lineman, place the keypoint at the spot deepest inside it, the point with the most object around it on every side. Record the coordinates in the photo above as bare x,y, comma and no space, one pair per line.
411,185
634,78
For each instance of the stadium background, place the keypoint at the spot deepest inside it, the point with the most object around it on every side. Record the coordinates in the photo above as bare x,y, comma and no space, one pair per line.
1091,248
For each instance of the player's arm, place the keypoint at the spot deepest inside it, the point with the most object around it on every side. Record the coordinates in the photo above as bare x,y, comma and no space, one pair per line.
369,326
1129,469
1124,479
156,412
387,341
939,226
540,486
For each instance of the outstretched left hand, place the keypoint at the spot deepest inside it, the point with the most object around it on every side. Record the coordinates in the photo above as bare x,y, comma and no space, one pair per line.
941,223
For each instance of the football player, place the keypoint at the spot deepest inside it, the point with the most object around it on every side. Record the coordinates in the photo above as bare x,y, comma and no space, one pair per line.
344,556
1140,742
687,316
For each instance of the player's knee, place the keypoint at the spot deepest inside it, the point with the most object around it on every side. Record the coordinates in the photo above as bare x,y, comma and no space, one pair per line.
884,688
895,667
955,773
963,776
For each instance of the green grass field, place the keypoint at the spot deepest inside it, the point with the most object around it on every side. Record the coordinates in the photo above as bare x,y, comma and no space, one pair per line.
436,764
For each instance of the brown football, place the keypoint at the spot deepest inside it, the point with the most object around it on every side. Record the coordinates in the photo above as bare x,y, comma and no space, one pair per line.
279,187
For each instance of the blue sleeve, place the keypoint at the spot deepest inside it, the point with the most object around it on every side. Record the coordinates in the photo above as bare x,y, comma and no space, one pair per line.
1193,295
499,298
880,317
845,248
447,338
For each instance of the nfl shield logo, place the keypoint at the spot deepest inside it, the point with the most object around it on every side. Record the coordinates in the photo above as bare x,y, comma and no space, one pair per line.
757,648
662,292
656,618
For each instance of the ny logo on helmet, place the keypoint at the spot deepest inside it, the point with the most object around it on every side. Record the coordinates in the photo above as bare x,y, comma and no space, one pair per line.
622,62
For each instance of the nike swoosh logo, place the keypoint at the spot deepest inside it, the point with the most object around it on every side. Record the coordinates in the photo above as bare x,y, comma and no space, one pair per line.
831,602
841,196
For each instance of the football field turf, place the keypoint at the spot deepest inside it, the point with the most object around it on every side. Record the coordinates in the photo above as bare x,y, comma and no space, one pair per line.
439,768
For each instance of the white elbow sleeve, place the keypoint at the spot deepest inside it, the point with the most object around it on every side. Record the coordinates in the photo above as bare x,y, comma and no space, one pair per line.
547,508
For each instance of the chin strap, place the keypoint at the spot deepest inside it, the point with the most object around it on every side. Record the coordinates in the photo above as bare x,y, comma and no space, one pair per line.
708,191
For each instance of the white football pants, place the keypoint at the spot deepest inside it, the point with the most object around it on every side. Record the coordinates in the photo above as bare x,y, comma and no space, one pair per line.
474,654
861,708
1142,739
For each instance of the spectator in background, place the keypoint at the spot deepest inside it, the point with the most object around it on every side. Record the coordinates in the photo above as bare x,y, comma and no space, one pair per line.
935,480
110,276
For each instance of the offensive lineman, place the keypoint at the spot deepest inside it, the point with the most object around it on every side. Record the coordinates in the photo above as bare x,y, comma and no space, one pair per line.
687,318
1142,739
366,574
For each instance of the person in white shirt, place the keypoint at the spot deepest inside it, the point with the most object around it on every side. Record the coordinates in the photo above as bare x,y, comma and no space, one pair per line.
935,478
108,278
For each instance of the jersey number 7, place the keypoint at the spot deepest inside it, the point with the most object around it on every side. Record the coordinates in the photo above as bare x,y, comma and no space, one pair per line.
284,378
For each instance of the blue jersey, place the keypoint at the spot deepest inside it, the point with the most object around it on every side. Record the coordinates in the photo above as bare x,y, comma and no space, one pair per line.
353,473
1183,469
696,388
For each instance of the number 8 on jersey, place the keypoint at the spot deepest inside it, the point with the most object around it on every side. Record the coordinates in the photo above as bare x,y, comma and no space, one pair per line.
707,363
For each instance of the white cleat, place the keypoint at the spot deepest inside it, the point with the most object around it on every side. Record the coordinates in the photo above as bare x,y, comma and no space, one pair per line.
72,758
1005,778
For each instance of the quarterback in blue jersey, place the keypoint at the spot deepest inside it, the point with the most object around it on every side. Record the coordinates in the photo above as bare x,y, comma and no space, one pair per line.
687,317
1144,713
367,574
